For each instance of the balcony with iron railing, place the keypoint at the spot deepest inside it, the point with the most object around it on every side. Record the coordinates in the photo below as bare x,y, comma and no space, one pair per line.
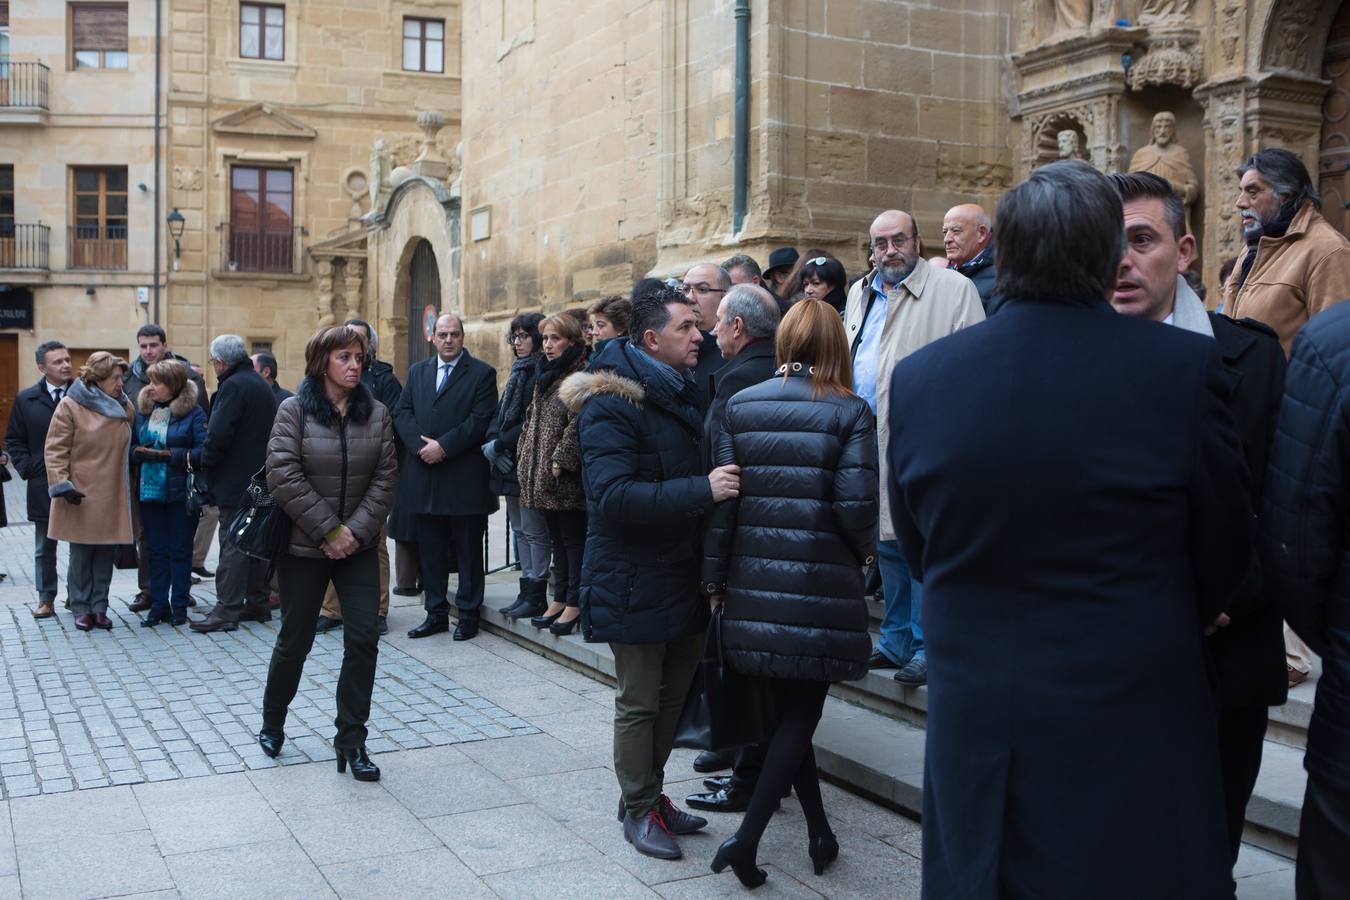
252,251
25,246
96,247
23,92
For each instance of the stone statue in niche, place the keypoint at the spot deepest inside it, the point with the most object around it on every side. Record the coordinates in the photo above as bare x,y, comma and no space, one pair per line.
379,174
1164,157
1155,10
1070,144
1071,16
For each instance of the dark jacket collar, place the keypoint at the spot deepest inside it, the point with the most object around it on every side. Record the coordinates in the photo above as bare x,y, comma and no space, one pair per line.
760,349
983,260
314,403
238,367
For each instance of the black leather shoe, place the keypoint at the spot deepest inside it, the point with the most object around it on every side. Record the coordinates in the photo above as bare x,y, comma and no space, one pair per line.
383,627
726,800
203,572
714,760
879,660
823,850
431,625
914,673
545,621
561,628
407,592
155,617
326,624
733,853
362,768
466,629
717,782
271,739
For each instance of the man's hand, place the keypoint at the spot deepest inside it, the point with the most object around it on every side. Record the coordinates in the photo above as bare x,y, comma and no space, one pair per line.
1221,622
725,482
431,452
341,546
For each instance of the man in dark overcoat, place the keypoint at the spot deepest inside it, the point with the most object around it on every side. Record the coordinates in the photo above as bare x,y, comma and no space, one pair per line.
25,438
441,417
1068,585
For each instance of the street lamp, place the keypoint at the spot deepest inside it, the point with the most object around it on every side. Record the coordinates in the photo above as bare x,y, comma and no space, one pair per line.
176,223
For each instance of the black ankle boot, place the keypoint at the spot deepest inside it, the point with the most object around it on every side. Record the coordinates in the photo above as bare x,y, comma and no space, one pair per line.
520,598
362,768
733,853
271,740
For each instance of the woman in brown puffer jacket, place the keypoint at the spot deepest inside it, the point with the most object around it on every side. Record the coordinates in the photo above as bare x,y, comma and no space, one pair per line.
331,466
549,468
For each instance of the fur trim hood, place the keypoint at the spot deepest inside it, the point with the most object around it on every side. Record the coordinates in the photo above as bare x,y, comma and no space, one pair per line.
582,386
316,406
180,407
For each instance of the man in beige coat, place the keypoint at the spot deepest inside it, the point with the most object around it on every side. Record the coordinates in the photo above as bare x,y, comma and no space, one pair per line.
1295,265
901,306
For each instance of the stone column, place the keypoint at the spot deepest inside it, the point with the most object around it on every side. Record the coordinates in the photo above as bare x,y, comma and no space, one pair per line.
327,316
1225,149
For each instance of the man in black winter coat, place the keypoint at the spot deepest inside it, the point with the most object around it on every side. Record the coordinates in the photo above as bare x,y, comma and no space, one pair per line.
441,417
1304,525
1067,589
1248,651
26,440
235,450
640,426
265,364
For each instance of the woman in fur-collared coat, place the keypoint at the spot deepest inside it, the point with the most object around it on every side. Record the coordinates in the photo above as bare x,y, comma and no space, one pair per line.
168,436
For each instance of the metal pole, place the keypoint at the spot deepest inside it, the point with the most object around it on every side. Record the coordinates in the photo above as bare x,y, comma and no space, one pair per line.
159,31
741,163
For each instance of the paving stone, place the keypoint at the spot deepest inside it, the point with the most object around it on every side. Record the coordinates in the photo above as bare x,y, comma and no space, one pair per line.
75,818
287,872
129,865
420,875
488,840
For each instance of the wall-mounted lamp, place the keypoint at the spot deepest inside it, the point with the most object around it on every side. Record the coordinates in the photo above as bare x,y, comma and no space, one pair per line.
176,224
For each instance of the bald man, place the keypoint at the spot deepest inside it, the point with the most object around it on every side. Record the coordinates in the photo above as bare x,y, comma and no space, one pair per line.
902,305
442,417
967,236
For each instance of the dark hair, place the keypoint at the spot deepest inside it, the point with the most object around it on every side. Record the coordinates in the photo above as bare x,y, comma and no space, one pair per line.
1287,176
792,285
1060,236
645,287
1226,269
268,361
615,309
151,330
650,313
1147,186
325,341
45,348
528,323
746,263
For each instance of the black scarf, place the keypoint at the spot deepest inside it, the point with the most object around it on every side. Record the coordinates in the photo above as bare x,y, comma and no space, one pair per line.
516,397
1275,228
548,371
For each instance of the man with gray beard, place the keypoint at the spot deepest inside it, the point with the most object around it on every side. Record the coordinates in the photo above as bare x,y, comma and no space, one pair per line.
901,306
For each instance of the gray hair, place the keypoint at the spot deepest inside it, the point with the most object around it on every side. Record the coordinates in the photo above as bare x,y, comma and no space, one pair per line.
745,263
1060,236
755,307
229,349
1287,175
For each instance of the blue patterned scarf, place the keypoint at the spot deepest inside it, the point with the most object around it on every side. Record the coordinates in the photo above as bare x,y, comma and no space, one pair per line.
155,475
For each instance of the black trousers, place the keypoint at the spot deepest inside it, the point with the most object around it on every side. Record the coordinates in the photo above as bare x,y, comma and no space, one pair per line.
749,764
303,582
567,531
789,760
1323,835
1242,734
439,536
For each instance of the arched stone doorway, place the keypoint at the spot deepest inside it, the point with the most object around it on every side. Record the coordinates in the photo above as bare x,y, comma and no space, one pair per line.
1334,166
424,298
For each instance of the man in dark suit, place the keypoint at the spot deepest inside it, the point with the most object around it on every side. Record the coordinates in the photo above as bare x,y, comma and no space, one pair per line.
442,417
1067,585
235,449
265,364
1248,652
25,440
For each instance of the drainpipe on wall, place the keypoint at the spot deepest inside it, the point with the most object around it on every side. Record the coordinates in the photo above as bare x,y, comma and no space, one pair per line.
159,31
741,162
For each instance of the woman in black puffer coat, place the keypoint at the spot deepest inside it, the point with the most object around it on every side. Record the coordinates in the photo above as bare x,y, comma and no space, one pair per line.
786,557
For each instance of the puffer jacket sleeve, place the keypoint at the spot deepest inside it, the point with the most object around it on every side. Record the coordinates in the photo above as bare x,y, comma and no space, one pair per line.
609,467
178,456
1305,493
286,480
368,518
721,529
855,486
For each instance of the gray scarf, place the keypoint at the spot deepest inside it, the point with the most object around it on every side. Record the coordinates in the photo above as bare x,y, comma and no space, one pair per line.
94,399
514,398
667,377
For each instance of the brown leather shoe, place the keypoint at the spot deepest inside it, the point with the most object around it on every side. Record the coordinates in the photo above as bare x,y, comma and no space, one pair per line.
85,622
140,604
44,610
212,623
101,620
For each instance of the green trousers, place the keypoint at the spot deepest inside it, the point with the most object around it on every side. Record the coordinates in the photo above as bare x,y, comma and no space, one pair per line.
653,681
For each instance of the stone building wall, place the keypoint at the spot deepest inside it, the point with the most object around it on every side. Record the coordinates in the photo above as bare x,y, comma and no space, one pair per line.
339,89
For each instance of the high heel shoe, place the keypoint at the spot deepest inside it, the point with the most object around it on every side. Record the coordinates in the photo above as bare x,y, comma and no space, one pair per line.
362,768
823,849
545,621
561,628
271,739
732,853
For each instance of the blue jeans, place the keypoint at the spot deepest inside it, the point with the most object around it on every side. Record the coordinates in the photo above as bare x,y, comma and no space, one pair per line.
168,539
901,636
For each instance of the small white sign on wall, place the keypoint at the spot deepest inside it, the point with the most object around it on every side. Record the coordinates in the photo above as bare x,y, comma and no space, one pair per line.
480,223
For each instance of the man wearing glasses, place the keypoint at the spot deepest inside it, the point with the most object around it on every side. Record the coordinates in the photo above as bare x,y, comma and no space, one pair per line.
902,305
706,284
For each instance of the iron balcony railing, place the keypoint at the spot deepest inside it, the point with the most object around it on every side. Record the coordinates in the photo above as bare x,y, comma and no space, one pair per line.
279,251
25,246
23,84
97,247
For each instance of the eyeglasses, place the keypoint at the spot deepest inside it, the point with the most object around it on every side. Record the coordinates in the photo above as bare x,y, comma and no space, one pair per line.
897,241
701,288
818,261
518,338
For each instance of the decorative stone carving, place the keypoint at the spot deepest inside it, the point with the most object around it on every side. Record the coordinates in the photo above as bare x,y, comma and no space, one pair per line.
355,185
379,175
1164,157
1071,16
1172,57
1225,149
1156,10
354,273
327,316
187,178
1070,144
1292,29
431,162
1230,17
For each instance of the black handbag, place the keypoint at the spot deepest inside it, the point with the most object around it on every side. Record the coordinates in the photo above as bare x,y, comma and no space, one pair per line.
724,709
198,494
126,557
260,528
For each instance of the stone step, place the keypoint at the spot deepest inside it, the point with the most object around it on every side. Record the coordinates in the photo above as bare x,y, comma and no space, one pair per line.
871,738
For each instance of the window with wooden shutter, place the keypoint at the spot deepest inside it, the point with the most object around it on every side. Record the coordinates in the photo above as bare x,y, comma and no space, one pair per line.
4,15
98,35
98,231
